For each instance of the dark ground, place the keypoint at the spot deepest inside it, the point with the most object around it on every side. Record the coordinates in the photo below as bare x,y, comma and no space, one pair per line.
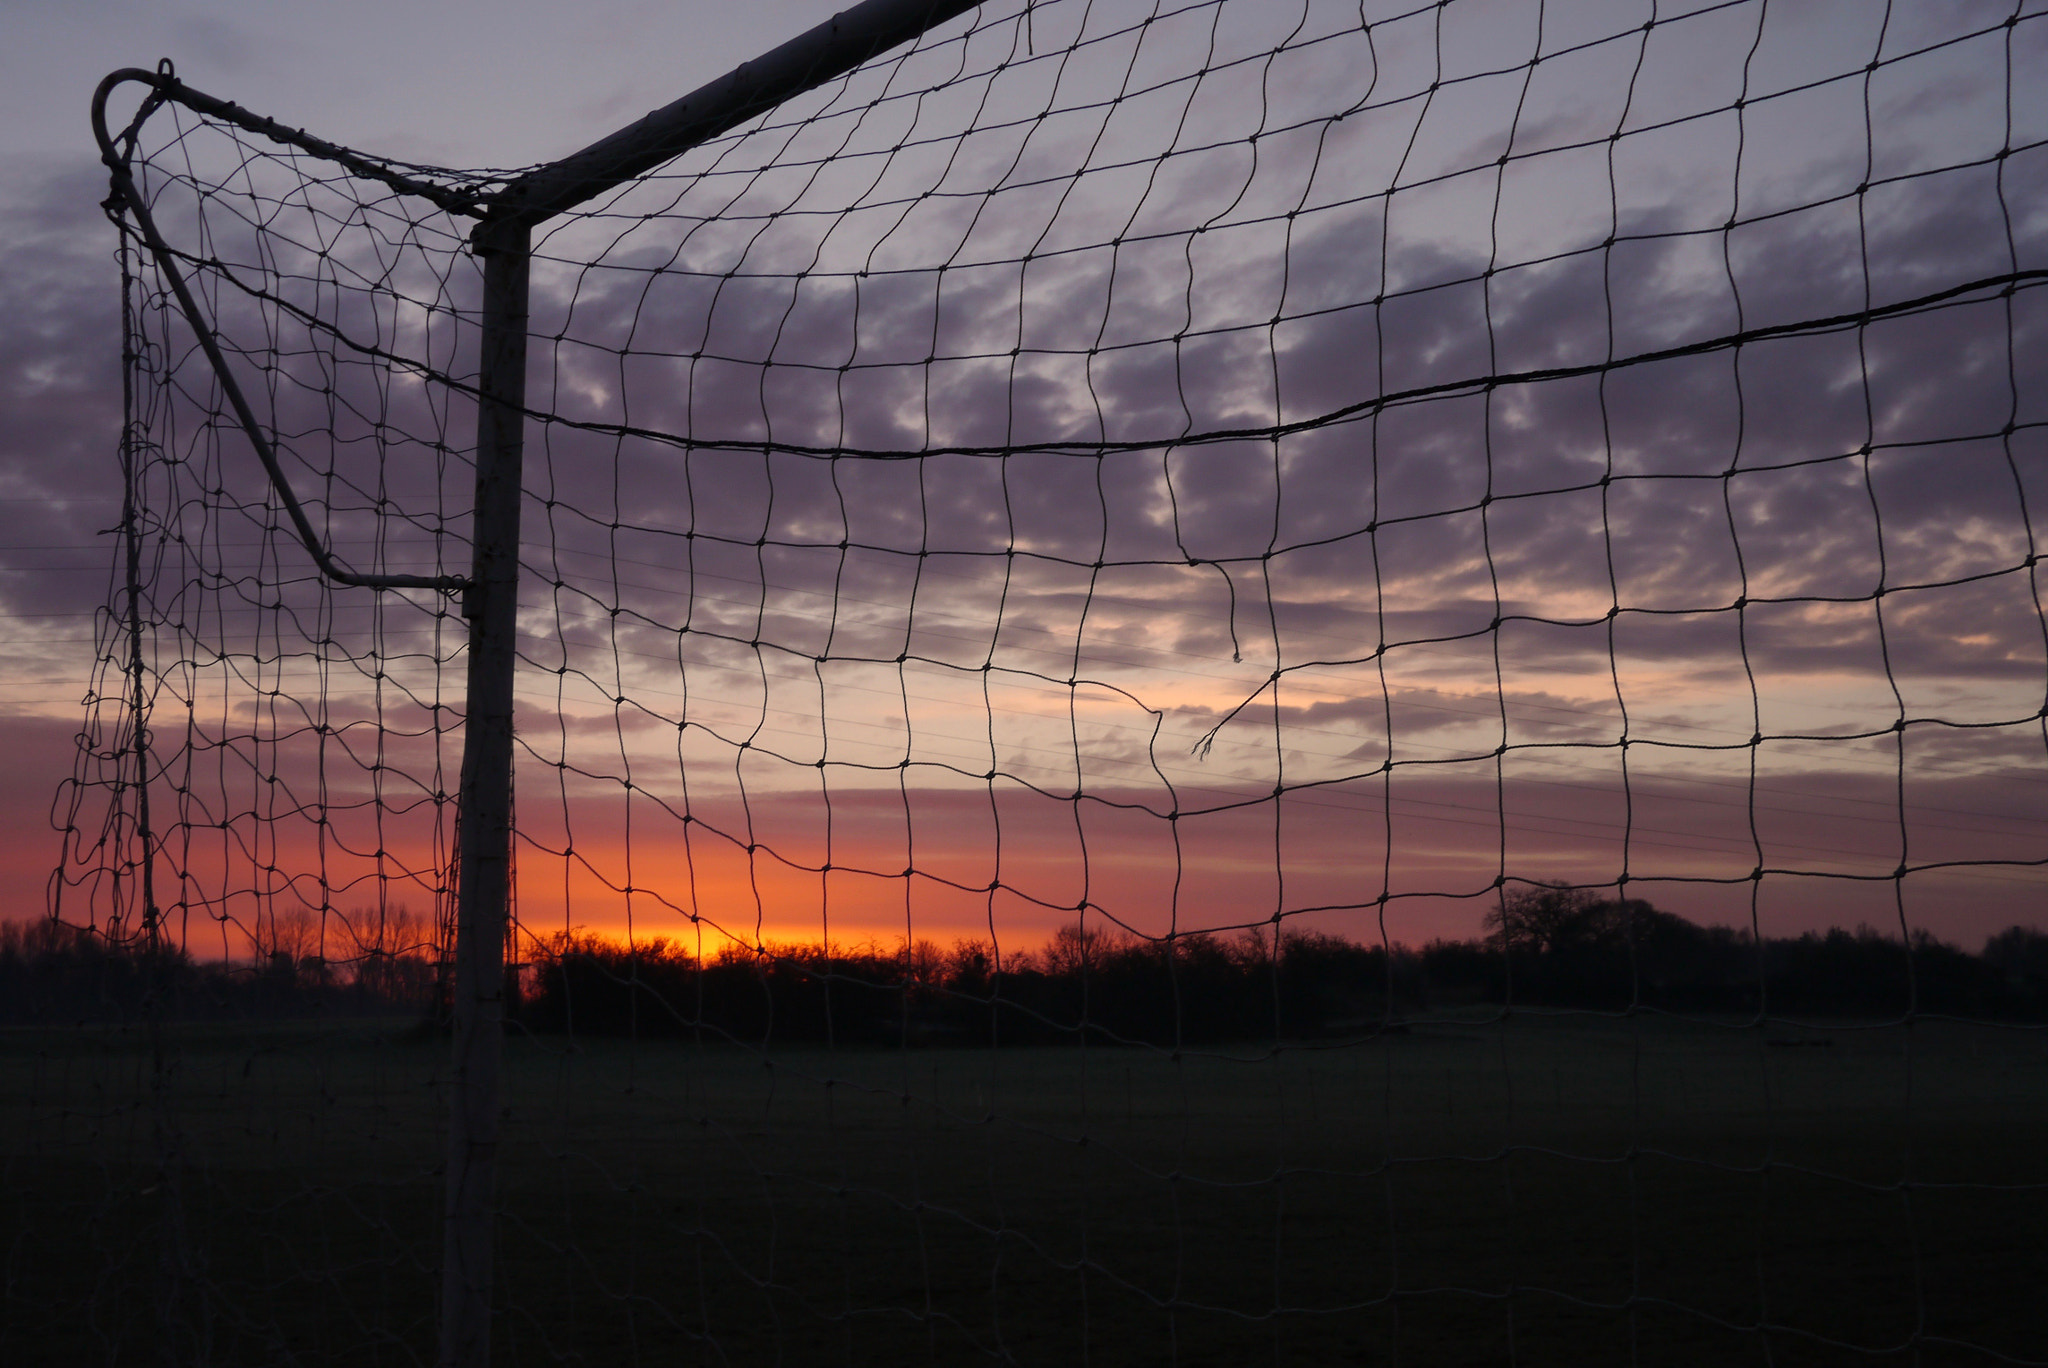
1567,1190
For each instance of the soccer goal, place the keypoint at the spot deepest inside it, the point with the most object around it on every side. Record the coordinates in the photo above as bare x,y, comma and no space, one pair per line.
1190,682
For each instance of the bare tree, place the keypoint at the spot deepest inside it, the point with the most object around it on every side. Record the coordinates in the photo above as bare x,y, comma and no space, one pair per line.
1549,918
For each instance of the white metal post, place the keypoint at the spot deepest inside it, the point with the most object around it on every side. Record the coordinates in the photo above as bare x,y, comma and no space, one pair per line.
484,811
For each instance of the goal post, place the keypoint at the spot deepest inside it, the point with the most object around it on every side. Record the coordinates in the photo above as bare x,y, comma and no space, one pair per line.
484,875
490,592
1097,598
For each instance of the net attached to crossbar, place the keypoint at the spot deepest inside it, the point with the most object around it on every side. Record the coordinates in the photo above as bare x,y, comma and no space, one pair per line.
1187,673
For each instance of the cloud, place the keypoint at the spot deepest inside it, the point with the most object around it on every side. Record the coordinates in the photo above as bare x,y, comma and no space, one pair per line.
904,466
59,360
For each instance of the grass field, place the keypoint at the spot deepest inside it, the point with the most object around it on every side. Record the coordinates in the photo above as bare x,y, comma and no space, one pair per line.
1544,1190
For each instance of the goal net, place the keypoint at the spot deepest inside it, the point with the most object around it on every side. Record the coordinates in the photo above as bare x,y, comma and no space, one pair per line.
1198,682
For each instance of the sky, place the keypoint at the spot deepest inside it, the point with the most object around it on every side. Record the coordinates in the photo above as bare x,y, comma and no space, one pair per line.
453,84
1121,607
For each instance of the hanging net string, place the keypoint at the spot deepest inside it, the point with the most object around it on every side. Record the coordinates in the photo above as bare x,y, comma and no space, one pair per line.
1095,509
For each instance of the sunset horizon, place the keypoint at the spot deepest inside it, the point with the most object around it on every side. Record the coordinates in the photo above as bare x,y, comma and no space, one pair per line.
1129,682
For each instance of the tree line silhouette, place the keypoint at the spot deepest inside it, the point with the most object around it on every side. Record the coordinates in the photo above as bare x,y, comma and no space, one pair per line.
292,965
1548,946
